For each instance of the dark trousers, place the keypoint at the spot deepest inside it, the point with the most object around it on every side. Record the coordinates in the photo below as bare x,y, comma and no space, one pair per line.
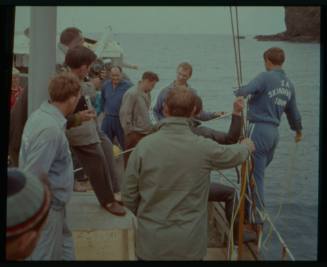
131,141
112,128
95,165
223,193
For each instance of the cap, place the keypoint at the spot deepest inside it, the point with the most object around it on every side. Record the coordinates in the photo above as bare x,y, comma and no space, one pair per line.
28,201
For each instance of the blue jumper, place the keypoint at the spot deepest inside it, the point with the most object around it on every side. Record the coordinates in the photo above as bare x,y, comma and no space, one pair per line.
271,94
111,99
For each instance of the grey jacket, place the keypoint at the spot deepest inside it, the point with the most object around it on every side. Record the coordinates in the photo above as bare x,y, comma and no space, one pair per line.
134,111
166,184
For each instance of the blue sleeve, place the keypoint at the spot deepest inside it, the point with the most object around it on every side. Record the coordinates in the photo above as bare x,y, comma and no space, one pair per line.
158,107
293,114
39,159
253,87
205,116
102,99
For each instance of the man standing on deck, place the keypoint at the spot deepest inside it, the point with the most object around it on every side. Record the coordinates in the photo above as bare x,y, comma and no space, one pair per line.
272,94
69,38
92,148
45,151
111,97
134,111
167,181
184,73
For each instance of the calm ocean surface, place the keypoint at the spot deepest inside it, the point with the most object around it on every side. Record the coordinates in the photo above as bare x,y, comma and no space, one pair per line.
291,182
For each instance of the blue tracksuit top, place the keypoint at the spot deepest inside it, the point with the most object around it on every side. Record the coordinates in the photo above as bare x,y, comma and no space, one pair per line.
271,94
111,98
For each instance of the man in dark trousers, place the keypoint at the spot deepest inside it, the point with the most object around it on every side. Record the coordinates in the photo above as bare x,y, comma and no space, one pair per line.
92,148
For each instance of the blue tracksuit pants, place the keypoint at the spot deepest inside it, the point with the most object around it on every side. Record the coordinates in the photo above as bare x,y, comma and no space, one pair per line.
265,137
112,128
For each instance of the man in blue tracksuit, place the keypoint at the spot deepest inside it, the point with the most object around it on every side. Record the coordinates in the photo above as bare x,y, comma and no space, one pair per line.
111,97
271,94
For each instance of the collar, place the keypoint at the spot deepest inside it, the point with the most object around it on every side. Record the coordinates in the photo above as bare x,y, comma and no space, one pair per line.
63,48
182,121
55,112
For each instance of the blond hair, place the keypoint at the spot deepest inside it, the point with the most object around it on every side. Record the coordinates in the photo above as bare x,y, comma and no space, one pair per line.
63,86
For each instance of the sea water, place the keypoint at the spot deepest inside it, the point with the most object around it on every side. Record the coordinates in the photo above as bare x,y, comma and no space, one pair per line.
291,180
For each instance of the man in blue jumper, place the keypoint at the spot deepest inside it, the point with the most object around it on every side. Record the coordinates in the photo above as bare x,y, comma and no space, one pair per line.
111,97
184,73
271,94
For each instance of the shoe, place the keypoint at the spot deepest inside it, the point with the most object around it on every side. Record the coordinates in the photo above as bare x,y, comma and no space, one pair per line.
248,236
115,208
79,187
117,197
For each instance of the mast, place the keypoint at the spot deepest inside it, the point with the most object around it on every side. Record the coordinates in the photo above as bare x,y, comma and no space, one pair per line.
42,56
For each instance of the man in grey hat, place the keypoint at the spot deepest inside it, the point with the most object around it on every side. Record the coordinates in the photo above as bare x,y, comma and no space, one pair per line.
24,222
45,151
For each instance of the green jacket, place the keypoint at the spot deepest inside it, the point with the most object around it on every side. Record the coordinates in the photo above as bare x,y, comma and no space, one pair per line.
166,185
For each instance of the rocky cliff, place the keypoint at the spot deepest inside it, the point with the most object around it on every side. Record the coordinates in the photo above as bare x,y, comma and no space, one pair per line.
302,25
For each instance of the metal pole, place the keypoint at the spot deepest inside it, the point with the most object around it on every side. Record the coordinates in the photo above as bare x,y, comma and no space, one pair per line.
42,55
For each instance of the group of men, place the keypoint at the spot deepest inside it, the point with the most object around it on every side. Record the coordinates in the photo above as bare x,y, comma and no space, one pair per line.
166,183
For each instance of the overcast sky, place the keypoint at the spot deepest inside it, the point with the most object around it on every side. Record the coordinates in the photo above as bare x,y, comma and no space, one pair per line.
208,20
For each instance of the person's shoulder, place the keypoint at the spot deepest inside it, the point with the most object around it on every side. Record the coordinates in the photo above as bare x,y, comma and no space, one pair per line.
106,84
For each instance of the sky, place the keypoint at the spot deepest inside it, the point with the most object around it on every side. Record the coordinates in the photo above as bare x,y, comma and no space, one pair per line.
176,20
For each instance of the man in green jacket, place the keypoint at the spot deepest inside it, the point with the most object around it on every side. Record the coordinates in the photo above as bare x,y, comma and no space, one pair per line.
167,182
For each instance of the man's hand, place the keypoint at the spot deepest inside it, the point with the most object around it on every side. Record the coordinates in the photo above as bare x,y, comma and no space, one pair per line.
238,105
96,82
298,136
86,115
249,143
134,66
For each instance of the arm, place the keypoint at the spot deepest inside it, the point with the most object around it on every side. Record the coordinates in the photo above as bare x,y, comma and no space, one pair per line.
206,116
126,112
39,159
228,156
158,107
130,184
76,119
253,87
221,137
294,117
102,99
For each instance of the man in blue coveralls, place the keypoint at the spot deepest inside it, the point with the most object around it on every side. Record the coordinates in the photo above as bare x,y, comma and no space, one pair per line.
111,97
271,94
184,73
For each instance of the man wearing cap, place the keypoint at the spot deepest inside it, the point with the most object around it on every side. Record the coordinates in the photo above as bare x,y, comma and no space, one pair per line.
24,222
45,151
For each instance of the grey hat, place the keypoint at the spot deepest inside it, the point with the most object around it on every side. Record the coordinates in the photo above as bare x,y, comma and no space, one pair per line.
27,202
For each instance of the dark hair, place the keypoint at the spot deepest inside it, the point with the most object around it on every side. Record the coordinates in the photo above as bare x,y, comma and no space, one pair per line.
78,56
180,102
151,76
69,34
63,86
117,67
275,55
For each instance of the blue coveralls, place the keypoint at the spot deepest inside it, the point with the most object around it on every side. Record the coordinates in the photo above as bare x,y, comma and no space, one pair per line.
158,108
111,99
271,94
